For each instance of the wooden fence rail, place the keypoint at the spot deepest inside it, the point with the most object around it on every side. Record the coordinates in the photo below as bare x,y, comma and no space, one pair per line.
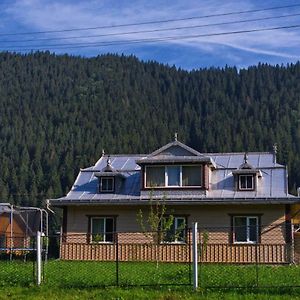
211,253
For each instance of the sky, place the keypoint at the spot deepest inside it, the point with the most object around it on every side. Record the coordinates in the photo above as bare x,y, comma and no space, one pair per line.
25,26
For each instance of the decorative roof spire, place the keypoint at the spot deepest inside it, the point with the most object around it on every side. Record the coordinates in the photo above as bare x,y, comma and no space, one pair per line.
108,162
175,136
108,167
275,149
245,164
246,158
103,152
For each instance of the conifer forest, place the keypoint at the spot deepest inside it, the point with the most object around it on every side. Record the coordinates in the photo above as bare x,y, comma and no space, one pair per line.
58,112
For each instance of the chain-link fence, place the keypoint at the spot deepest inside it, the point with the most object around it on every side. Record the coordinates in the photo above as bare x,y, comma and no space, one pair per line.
17,259
247,254
122,259
239,256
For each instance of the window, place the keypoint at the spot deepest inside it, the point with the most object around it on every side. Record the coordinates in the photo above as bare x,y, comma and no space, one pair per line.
177,232
174,176
246,182
102,229
155,176
191,175
245,229
107,184
2,241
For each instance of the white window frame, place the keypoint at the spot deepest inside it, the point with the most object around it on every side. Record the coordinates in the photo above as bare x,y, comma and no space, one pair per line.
180,177
104,233
184,229
101,184
175,222
246,188
248,241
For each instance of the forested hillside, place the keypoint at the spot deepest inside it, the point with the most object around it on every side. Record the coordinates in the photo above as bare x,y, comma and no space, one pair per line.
58,112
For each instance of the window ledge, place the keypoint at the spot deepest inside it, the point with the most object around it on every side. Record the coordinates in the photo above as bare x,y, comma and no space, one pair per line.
245,243
173,243
101,243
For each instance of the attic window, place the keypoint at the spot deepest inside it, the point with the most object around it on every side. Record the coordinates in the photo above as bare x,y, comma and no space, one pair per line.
246,182
107,184
174,176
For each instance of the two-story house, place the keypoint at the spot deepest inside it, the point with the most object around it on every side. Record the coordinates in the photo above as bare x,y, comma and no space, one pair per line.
240,200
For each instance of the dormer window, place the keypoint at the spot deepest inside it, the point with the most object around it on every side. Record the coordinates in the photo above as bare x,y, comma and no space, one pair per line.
246,182
173,176
107,184
246,177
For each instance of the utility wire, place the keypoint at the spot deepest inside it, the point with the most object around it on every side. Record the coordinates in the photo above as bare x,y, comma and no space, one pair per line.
150,40
152,22
152,30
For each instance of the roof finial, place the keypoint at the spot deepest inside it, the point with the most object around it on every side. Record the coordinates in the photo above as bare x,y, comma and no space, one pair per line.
275,149
108,162
246,158
175,136
103,152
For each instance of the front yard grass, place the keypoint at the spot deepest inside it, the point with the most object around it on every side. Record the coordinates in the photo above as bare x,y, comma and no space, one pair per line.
97,280
160,293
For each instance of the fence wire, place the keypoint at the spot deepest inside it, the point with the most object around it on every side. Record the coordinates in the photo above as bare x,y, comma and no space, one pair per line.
248,257
229,257
128,259
17,260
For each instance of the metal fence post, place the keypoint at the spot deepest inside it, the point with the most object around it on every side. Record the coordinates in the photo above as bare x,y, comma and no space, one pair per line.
38,258
117,259
195,255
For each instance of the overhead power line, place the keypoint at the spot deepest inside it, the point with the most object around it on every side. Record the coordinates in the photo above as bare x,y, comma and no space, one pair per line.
152,30
151,22
150,40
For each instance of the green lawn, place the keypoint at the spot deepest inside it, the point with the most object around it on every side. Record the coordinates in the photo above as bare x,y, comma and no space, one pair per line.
93,274
97,280
223,275
159,293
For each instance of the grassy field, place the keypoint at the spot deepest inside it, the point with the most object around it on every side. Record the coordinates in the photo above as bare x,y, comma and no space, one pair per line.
97,280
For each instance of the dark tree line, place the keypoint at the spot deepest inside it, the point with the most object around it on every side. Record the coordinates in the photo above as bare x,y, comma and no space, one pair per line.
57,113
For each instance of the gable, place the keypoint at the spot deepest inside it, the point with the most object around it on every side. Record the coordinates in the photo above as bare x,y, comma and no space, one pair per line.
175,148
176,151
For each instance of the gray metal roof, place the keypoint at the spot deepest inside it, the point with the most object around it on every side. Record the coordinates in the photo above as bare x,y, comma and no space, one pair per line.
271,185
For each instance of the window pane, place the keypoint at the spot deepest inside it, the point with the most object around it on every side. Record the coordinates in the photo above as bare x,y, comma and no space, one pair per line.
242,182
98,230
173,176
155,176
170,234
107,184
176,233
109,229
253,229
246,181
2,241
240,229
249,182
180,229
191,175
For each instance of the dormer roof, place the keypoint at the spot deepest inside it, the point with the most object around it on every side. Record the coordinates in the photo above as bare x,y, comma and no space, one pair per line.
175,152
109,171
246,167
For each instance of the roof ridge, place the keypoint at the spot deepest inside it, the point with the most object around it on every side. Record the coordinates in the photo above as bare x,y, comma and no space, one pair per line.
237,153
